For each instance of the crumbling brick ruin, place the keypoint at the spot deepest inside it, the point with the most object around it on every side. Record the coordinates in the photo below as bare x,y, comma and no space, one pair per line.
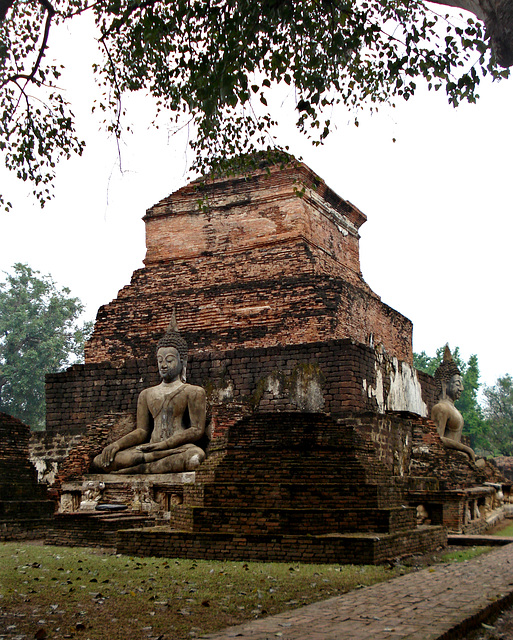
316,415
250,261
25,511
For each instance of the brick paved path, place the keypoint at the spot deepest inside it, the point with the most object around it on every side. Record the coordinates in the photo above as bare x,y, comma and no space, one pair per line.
433,604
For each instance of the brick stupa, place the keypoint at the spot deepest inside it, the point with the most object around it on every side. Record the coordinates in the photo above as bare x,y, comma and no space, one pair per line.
249,264
316,415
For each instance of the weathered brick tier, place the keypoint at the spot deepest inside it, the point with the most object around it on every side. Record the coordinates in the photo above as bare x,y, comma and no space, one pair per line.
334,376
255,261
84,529
292,495
287,486
292,520
24,510
333,548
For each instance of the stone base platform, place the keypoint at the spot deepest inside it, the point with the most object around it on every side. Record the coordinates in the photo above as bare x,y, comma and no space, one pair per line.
154,494
334,548
92,529
469,511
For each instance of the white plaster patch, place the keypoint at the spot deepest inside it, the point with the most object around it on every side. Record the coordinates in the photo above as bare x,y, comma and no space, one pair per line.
46,471
309,397
377,391
421,449
273,385
405,391
225,393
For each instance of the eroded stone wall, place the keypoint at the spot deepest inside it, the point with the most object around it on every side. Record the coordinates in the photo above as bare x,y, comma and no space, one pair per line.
334,378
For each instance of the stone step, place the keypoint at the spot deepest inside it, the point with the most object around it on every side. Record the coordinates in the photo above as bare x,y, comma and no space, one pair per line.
358,548
292,495
478,540
286,467
292,521
92,529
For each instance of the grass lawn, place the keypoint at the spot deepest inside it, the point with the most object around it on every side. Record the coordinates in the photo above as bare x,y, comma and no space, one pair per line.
60,592
506,529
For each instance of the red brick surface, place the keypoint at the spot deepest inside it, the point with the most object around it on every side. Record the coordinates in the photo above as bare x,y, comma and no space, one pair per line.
253,264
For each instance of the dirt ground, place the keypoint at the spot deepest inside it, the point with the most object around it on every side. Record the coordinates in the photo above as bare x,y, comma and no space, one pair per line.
500,628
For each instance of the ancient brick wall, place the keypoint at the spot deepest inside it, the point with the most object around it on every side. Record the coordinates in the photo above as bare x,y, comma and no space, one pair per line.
77,396
282,477
243,212
17,475
24,510
505,465
48,449
372,549
391,438
237,300
334,376
429,392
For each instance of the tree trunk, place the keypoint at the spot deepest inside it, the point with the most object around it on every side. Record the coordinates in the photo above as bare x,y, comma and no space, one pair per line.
5,5
498,18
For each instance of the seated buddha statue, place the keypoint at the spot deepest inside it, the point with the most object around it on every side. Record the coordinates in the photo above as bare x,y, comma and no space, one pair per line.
448,420
170,420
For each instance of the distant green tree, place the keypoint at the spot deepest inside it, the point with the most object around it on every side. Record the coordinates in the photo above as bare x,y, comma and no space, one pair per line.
39,334
475,424
427,364
499,413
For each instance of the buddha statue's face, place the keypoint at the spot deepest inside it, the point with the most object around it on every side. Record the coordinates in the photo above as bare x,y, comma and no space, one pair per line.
454,387
169,363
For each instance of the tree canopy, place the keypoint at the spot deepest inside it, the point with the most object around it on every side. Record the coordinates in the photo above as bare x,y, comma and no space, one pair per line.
498,411
39,334
214,64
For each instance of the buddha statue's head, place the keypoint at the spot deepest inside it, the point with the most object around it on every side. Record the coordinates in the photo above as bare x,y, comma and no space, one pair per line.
448,378
172,353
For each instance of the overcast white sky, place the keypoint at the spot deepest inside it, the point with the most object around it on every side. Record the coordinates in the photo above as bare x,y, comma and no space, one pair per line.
437,245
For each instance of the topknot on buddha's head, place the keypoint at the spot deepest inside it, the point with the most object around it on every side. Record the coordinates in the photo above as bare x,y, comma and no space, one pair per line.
446,371
172,338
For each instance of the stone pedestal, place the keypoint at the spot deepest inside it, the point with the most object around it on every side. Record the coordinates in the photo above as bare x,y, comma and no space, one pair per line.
152,494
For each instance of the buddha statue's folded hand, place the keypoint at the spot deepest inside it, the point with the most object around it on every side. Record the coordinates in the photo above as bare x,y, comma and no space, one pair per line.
107,455
155,446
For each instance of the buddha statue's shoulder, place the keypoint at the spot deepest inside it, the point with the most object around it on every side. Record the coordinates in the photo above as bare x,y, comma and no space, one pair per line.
194,390
441,405
444,407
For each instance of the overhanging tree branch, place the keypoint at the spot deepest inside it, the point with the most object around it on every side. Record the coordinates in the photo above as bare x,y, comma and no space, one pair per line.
203,60
50,11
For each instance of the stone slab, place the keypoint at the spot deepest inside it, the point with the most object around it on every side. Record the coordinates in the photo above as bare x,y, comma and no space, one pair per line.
478,540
